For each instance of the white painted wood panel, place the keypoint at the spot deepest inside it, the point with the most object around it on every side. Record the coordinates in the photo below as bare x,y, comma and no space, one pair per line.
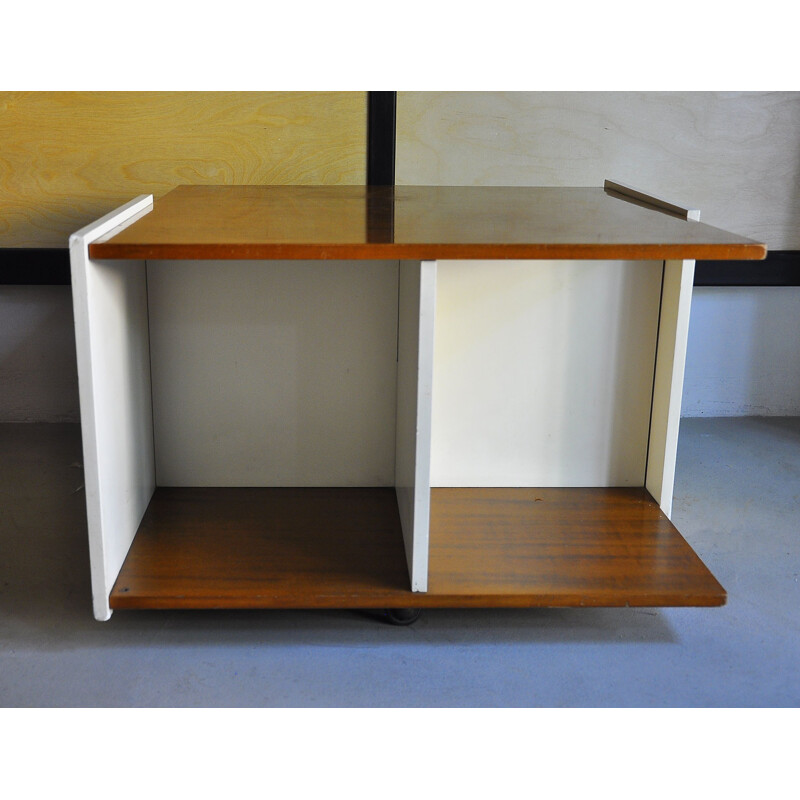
274,373
417,306
673,333
736,155
543,372
111,332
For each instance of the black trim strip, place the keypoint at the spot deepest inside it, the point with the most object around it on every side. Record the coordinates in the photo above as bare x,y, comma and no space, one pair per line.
381,137
31,266
779,268
34,266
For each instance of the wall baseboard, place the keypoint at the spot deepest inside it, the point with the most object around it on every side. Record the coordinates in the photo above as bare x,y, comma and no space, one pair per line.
50,267
34,266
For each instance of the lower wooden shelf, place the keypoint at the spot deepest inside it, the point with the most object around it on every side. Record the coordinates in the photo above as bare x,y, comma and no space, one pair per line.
343,548
562,547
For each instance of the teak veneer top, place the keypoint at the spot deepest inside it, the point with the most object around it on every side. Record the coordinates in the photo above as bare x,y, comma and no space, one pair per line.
414,222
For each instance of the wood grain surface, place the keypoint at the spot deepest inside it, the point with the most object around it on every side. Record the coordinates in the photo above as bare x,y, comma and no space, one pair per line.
562,547
416,222
734,155
68,158
265,548
342,548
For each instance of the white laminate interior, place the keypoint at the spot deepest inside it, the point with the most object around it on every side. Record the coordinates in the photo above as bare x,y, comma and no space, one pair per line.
543,372
742,358
274,373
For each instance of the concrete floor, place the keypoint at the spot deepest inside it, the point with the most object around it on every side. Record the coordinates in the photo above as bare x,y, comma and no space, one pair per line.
737,502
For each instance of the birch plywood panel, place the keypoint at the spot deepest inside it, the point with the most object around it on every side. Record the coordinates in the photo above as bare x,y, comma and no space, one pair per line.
735,155
69,157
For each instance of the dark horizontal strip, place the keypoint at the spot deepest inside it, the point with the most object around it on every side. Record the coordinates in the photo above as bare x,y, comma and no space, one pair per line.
38,266
50,266
779,268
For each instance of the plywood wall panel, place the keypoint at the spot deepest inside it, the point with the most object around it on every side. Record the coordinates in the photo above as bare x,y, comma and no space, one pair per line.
734,155
67,158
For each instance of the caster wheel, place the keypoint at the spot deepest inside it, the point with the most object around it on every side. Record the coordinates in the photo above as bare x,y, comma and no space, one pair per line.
402,616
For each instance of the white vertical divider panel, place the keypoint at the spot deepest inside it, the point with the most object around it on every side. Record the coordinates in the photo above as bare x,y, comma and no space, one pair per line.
673,333
416,310
111,333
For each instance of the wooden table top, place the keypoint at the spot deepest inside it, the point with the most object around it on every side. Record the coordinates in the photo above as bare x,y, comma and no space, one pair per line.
414,222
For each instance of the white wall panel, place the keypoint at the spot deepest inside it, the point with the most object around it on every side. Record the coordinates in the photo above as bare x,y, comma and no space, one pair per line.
38,371
743,357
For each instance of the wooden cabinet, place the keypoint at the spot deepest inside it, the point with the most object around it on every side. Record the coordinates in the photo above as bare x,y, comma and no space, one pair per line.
387,397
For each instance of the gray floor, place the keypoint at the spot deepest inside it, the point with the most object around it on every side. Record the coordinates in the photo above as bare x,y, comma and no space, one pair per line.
737,502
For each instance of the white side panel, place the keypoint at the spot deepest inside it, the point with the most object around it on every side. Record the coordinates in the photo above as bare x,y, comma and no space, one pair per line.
274,373
417,302
110,307
543,372
668,384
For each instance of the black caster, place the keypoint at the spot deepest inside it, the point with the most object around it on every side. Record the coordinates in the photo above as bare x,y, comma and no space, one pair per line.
402,616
